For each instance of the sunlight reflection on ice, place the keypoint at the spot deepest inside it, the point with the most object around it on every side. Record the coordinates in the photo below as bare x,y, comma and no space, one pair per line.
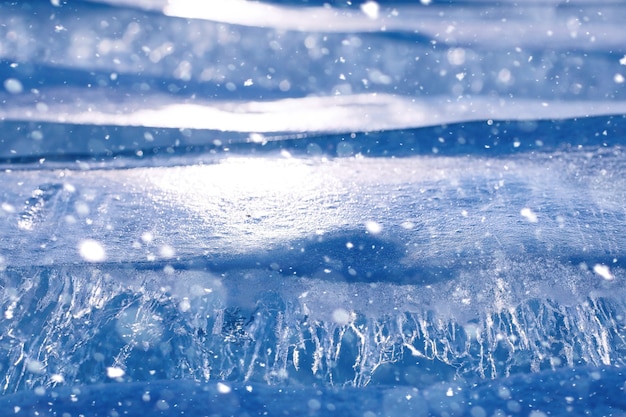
357,112
264,199
251,13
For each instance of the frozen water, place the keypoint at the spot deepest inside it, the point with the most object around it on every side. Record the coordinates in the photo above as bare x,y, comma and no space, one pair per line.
362,211
313,293
514,396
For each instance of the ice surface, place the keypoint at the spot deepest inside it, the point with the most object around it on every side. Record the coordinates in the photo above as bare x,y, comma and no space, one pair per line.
387,209
515,396
370,267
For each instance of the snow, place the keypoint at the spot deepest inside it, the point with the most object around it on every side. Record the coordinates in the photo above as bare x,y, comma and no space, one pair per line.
604,271
371,9
373,227
115,372
529,215
92,251
223,388
13,86
172,398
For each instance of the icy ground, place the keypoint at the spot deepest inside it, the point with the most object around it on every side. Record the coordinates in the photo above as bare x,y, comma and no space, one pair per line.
382,209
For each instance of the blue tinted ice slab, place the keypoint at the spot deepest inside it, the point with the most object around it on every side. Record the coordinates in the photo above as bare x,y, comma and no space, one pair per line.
297,209
334,270
564,392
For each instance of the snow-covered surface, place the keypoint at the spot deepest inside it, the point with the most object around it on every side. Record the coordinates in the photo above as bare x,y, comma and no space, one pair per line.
382,209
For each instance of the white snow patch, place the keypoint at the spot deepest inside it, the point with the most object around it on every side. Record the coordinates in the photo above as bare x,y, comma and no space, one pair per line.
603,271
8,208
69,188
115,372
456,56
371,9
57,378
34,366
13,85
408,225
373,227
147,237
92,251
529,215
82,208
314,404
184,305
223,388
167,251
341,316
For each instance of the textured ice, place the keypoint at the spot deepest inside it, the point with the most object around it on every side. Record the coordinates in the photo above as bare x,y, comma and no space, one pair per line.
568,392
366,209
204,278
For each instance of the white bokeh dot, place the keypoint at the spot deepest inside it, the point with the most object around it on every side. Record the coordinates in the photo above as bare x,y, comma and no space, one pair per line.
341,316
92,251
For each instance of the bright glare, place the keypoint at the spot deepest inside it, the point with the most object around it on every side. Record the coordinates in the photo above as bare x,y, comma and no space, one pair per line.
92,251
255,200
252,13
371,9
